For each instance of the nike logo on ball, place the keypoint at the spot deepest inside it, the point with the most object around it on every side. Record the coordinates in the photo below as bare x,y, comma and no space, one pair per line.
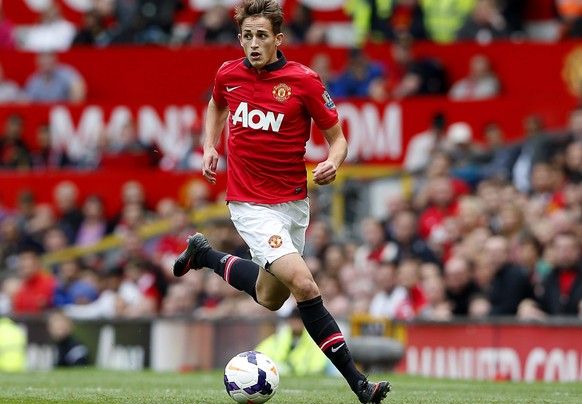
335,349
229,89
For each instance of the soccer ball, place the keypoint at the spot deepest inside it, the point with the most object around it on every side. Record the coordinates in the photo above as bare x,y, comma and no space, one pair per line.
251,378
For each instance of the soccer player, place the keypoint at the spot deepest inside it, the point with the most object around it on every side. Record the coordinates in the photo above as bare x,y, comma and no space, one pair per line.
271,102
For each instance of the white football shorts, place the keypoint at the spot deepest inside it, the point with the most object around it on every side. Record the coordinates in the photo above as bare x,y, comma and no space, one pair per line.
271,231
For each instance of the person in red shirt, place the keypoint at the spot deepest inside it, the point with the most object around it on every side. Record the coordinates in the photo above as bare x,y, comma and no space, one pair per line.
37,288
269,103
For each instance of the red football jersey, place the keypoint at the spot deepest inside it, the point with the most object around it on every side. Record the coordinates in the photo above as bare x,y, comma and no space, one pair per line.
269,126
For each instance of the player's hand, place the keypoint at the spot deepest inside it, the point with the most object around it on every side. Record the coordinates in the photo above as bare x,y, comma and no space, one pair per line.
209,164
324,173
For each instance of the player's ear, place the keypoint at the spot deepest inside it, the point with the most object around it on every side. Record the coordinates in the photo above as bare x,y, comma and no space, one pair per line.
240,39
279,39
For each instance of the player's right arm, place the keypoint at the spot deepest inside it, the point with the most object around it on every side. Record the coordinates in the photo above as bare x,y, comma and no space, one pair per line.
215,120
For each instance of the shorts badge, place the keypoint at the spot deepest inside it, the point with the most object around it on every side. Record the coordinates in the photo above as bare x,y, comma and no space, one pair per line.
275,241
282,92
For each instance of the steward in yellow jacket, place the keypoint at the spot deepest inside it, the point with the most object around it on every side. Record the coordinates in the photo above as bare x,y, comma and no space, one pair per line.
12,346
293,350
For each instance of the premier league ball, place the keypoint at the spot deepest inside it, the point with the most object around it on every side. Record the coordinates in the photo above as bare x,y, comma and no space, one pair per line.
251,378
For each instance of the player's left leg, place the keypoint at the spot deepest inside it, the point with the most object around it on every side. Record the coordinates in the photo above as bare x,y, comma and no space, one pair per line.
292,270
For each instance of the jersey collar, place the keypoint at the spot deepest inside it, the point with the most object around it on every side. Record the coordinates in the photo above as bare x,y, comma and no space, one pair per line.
271,67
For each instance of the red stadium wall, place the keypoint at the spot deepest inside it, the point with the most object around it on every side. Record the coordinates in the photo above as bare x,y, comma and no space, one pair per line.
185,75
509,351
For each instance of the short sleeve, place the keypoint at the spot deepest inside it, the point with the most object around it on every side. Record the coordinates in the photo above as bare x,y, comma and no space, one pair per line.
318,102
217,92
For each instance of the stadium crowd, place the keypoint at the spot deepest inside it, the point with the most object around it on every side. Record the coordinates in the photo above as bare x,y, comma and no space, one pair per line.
488,230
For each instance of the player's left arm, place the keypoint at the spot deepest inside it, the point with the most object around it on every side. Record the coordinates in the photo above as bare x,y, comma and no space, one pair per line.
326,171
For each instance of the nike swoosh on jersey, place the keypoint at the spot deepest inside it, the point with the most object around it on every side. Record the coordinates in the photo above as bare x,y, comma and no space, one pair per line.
335,349
229,89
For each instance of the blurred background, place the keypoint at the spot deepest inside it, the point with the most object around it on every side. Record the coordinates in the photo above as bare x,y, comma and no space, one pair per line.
457,214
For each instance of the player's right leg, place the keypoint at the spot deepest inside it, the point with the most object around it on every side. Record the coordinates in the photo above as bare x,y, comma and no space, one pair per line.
244,275
238,272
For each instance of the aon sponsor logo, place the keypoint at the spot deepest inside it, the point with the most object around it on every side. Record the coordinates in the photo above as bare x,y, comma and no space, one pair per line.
256,119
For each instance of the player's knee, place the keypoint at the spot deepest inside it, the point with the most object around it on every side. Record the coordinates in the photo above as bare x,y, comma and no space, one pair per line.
270,300
272,304
304,289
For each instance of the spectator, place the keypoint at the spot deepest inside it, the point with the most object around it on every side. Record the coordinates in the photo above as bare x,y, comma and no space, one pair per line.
54,240
10,91
66,196
374,249
479,307
469,217
409,76
69,351
92,31
481,82
573,162
381,20
14,153
181,300
52,34
151,283
124,149
572,133
570,14
356,76
321,64
440,165
335,260
72,287
215,26
319,238
510,284
444,19
437,307
10,240
389,295
93,226
334,296
459,285
293,350
422,145
415,301
7,36
463,151
535,148
37,287
442,205
48,156
410,246
562,287
116,298
54,82
485,24
529,255
302,28
143,21
497,156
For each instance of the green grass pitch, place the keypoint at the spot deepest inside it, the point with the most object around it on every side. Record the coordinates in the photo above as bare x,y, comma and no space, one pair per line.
101,386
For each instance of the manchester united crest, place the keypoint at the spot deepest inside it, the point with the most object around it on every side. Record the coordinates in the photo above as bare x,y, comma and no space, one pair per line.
282,92
275,241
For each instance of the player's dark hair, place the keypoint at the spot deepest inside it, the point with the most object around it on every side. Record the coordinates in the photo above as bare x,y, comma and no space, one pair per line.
269,9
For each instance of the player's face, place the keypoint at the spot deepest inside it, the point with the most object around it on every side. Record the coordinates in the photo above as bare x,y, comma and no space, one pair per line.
259,41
